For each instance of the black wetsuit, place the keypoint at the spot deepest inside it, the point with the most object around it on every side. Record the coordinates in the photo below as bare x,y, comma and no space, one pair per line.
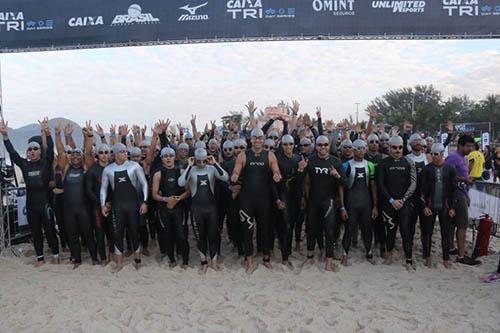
231,208
439,186
358,200
322,202
171,229
76,214
378,223
100,224
397,180
289,191
255,201
39,212
203,207
59,206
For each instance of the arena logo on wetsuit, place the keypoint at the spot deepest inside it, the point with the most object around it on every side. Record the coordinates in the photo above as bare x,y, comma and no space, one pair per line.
253,9
134,16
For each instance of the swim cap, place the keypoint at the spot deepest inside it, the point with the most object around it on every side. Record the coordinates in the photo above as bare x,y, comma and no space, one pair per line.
322,139
273,134
437,148
269,142
200,144
357,144
228,144
101,147
257,132
414,137
146,143
188,136
395,140
305,141
119,147
34,144
372,137
240,143
183,145
200,154
167,151
287,138
384,136
135,151
346,142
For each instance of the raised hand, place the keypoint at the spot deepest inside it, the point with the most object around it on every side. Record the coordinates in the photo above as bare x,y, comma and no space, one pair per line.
58,128
112,129
87,129
4,127
135,129
318,111
211,160
295,107
180,129
251,107
123,130
193,120
44,124
330,125
394,131
99,130
449,126
212,123
302,164
371,111
143,130
68,129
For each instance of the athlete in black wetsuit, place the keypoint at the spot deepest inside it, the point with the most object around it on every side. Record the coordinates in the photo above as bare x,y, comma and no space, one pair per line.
287,194
127,180
201,181
170,197
101,225
397,180
258,168
323,187
439,186
360,197
76,214
36,173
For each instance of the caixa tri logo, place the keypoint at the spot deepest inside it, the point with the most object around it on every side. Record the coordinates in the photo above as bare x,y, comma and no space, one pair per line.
253,9
14,21
134,16
471,8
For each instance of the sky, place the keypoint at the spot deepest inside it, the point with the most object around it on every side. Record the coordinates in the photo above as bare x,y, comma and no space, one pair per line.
143,84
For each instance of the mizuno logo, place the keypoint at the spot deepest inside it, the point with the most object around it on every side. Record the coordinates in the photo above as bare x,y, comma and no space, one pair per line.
192,10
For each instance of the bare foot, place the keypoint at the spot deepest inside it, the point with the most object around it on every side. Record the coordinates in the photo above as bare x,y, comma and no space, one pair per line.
203,269
297,247
329,266
55,261
215,266
322,256
39,263
172,264
184,266
447,264
76,265
287,264
409,266
428,262
117,268
309,261
104,262
145,252
345,261
137,264
268,264
388,258
250,267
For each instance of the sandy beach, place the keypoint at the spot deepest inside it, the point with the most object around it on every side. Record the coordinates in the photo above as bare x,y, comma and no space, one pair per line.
359,298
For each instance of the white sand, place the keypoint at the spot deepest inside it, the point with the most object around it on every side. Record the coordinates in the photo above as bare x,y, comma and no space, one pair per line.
360,298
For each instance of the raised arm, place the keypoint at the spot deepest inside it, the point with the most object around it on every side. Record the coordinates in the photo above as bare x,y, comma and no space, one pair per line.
88,140
68,136
196,136
8,145
62,159
238,167
183,179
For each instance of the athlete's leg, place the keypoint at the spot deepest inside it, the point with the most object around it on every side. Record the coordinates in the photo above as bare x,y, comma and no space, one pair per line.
444,226
163,241
247,221
366,225
59,212
200,233
179,234
407,231
98,227
86,232
73,236
50,229
34,217
213,232
330,226
427,228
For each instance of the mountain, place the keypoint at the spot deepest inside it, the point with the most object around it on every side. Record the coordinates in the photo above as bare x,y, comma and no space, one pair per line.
19,137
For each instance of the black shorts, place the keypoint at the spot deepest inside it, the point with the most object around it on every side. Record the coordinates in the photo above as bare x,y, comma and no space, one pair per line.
461,219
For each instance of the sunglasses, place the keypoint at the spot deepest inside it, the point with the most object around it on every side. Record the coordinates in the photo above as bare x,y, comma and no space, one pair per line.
239,147
347,147
68,151
33,149
123,152
360,148
201,161
436,154
105,152
397,147
168,155
321,145
190,139
384,140
258,137
273,137
228,149
144,147
287,144
268,147
304,145
373,141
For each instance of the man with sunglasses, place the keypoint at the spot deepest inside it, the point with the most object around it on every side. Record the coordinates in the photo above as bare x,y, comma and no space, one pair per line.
419,158
287,194
201,181
130,195
269,145
36,174
306,151
397,180
346,153
169,197
439,187
258,168
324,192
384,144
360,198
101,225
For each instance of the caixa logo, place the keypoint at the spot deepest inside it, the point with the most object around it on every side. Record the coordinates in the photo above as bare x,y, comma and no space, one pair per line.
134,16
253,9
85,21
335,7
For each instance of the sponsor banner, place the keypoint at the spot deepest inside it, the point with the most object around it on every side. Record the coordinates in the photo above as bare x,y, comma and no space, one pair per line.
33,25
484,203
21,211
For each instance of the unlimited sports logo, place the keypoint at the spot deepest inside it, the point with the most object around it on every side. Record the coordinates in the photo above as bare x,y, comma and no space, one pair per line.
336,7
253,9
135,16
191,13
401,6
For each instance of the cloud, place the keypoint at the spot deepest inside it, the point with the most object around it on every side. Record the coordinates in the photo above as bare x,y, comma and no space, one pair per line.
143,84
